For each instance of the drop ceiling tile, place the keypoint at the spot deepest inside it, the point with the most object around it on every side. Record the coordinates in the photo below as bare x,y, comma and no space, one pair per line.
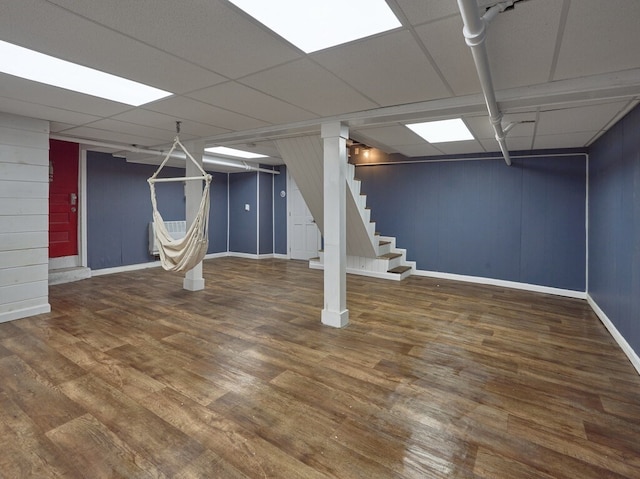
572,120
186,109
43,112
247,101
167,122
422,149
98,47
373,67
444,41
460,147
481,126
59,98
211,34
386,135
111,136
157,134
310,87
521,43
419,11
599,37
513,144
564,140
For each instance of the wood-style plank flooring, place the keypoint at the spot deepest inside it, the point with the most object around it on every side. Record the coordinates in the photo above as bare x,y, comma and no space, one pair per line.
130,376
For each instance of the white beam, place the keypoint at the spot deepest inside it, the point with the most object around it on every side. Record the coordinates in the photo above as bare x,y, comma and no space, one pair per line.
335,312
193,280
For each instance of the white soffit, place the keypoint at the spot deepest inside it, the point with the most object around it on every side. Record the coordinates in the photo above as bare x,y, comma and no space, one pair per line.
320,24
415,150
372,66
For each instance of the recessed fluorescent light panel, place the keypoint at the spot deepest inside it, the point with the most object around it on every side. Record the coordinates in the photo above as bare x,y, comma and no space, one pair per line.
223,150
442,131
316,25
41,68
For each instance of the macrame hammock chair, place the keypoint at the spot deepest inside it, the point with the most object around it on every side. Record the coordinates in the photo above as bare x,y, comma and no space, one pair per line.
185,253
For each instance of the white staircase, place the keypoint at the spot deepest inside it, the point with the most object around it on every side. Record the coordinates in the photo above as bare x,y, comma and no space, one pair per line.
368,253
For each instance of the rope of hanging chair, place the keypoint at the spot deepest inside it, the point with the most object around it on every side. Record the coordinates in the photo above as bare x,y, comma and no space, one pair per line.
185,253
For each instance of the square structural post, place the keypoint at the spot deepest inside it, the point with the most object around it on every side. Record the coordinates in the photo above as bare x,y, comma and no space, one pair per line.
193,280
335,312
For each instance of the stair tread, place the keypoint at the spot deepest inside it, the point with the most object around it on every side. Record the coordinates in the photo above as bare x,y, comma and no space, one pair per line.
384,243
317,258
399,269
390,255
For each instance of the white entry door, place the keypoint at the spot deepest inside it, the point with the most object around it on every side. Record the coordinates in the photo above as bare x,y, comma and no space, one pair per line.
305,234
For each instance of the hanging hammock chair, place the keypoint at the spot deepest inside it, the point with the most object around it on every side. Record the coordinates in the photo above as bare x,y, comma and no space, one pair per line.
184,253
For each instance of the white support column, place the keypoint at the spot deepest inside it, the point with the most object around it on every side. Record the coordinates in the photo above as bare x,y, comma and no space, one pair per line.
193,280
335,312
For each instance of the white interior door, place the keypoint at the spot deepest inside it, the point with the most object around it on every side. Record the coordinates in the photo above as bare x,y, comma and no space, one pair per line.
305,234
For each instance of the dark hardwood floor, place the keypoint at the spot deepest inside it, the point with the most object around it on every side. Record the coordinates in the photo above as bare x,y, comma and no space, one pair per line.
130,376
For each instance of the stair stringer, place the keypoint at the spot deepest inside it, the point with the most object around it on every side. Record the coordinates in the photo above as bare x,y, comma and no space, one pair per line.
303,156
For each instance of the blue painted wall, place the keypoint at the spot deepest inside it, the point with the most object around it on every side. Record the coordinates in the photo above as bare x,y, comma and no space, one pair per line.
218,214
119,210
266,213
614,226
280,211
523,223
243,227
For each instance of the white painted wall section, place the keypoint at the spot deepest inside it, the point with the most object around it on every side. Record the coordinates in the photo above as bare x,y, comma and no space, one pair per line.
24,217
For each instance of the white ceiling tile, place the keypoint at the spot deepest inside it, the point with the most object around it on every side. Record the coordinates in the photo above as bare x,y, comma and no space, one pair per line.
157,134
570,120
311,87
513,144
111,136
371,66
106,50
247,101
563,140
445,43
186,109
210,33
49,96
421,11
460,147
481,126
41,112
386,135
422,149
599,37
521,43
167,122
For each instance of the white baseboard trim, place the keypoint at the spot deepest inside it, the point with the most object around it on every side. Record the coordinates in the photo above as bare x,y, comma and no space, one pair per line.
124,269
157,264
503,283
280,256
624,345
25,312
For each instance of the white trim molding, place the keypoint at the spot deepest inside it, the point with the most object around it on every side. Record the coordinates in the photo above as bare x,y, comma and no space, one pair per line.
624,345
25,312
504,284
